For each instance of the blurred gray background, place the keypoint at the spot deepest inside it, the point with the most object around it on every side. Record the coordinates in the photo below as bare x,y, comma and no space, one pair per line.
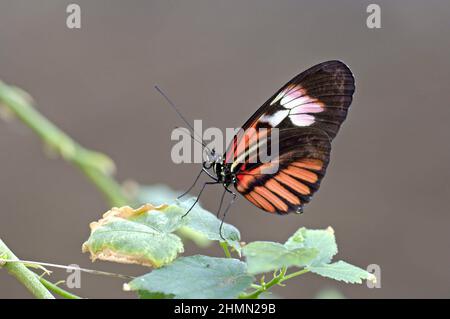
387,188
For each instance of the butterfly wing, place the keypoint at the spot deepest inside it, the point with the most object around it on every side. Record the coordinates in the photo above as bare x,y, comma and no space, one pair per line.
287,183
308,111
318,97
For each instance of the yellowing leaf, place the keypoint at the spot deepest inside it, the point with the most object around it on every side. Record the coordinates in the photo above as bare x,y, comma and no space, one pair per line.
200,225
147,235
123,236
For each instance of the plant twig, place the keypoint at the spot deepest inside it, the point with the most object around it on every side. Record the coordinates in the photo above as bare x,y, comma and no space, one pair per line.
57,290
96,166
295,274
224,246
90,271
105,184
23,274
276,280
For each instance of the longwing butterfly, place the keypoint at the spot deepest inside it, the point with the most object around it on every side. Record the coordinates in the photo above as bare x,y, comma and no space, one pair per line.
308,112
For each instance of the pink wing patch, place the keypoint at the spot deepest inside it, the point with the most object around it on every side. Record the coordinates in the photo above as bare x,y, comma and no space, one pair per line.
302,119
299,104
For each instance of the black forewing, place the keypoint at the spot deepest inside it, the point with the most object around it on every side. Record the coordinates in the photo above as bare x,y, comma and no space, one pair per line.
308,111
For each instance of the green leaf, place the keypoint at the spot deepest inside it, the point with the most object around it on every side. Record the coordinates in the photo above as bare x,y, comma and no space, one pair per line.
268,256
305,247
296,240
195,277
203,222
322,240
200,225
119,238
198,238
164,218
143,294
147,235
160,194
342,271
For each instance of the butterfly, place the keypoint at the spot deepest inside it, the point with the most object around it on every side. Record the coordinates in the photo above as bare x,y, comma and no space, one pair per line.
307,113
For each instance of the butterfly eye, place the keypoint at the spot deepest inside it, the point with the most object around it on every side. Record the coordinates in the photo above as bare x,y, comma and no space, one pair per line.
212,158
207,165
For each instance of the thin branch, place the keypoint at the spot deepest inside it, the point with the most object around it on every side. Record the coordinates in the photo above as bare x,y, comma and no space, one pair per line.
276,280
295,274
23,274
96,166
57,290
90,271
224,246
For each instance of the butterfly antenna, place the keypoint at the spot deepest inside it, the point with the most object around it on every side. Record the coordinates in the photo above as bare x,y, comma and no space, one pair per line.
174,107
180,115
193,137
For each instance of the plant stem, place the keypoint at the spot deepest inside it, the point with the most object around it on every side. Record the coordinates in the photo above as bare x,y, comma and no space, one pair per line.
107,185
276,280
57,290
96,166
266,286
24,275
89,271
224,246
295,274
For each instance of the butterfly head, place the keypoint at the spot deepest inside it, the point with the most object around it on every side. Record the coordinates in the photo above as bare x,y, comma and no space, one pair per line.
219,167
211,159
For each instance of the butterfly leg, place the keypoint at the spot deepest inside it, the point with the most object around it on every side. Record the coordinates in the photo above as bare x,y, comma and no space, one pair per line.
221,202
233,199
198,196
196,180
192,186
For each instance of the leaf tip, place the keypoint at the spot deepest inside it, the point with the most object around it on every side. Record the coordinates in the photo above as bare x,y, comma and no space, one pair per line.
3,256
372,278
330,230
126,287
